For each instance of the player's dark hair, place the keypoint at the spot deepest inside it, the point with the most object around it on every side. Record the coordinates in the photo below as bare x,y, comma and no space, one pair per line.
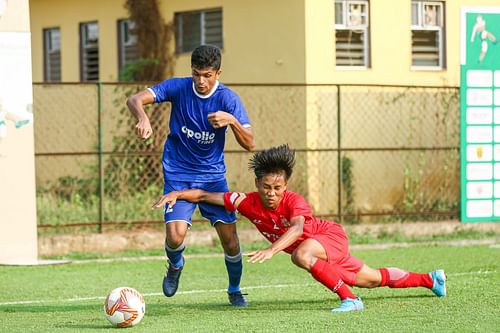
206,56
273,160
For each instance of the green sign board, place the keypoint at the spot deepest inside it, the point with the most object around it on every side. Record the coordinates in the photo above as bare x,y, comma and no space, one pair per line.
480,114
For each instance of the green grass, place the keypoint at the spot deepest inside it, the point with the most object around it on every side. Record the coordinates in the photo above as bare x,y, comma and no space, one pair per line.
57,211
68,298
385,236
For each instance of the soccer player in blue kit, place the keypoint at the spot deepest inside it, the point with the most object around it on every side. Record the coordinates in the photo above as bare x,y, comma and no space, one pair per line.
202,109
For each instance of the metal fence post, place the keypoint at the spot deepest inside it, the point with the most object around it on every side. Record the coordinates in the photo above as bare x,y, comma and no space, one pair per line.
339,157
100,157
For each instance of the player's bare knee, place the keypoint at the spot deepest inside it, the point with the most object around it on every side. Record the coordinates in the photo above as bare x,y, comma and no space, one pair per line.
230,243
371,284
295,260
231,247
173,245
174,240
302,259
368,278
364,282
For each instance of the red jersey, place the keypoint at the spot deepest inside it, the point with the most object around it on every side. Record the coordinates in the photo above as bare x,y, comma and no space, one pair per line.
272,223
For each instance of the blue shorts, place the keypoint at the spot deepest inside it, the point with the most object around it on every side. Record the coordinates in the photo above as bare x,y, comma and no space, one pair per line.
183,210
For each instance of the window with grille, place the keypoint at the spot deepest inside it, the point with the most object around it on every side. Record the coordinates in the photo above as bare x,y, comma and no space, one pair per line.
427,34
351,33
52,54
89,51
127,43
193,29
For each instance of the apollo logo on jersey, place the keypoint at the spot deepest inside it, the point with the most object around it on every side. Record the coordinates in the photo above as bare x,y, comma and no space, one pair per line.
202,137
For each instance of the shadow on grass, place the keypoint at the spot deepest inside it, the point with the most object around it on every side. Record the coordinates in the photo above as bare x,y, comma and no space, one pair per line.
223,307
268,305
162,309
40,307
381,297
87,326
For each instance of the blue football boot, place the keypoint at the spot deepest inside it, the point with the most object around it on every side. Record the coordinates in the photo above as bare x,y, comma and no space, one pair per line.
237,299
350,304
438,282
171,279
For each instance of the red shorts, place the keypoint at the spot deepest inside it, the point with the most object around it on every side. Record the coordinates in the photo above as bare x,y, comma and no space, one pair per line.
336,244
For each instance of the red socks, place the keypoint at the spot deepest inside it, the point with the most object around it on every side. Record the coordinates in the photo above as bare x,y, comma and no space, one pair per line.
397,278
328,276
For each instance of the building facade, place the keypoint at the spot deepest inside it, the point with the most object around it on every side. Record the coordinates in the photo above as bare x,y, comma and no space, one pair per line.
280,41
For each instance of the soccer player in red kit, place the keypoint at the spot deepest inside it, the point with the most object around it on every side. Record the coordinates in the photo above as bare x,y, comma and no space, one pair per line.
321,247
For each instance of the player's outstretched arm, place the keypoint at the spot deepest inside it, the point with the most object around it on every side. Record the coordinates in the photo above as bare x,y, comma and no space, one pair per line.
136,103
192,195
288,238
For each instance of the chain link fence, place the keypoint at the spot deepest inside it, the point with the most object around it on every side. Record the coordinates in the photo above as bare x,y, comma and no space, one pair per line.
364,153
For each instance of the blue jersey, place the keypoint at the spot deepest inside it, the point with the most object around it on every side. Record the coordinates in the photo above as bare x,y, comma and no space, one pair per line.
194,150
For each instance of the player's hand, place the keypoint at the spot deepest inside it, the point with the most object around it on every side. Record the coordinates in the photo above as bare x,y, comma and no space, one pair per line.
259,256
220,119
143,129
170,198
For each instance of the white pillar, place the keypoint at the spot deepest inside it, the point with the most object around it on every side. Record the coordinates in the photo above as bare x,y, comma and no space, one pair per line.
18,229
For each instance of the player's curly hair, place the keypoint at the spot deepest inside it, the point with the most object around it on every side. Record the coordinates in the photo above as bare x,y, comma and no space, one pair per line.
273,160
206,56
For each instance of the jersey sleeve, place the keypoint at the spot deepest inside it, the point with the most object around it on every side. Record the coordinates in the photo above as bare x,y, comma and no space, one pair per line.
237,109
164,91
233,200
300,207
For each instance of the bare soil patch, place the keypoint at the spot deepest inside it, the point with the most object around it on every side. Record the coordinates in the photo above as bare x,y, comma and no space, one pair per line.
146,239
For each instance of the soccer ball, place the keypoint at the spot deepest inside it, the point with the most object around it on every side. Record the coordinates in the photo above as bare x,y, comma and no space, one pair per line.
124,307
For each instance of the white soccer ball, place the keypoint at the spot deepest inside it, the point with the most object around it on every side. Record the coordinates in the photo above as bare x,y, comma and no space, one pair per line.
124,307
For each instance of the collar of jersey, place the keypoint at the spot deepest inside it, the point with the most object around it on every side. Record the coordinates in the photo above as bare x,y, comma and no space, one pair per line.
210,94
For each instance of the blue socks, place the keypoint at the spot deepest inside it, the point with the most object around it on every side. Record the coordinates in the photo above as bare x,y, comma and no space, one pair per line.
175,255
234,266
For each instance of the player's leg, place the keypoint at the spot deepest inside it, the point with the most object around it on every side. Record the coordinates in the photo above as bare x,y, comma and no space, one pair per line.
175,233
368,277
397,278
233,260
174,248
311,256
177,221
225,225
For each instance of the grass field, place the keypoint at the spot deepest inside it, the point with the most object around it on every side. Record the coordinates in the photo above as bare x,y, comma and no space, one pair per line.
69,298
